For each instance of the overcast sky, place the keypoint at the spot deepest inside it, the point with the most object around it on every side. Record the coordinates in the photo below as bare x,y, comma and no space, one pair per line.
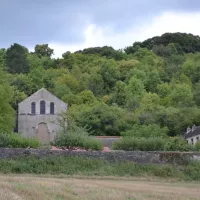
69,25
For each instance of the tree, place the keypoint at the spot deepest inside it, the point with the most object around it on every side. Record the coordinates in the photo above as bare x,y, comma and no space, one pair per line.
109,74
101,119
119,94
22,83
96,84
182,95
35,61
16,59
126,67
43,50
152,80
197,93
149,109
36,76
134,91
7,114
87,97
184,42
106,51
2,58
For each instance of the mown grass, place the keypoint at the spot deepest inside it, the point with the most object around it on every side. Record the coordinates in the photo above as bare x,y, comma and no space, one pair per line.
105,188
94,167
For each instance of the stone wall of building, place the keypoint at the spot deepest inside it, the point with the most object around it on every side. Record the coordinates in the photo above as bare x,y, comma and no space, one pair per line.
28,122
113,156
194,139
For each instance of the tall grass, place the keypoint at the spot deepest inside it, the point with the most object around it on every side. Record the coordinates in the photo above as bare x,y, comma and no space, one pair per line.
94,167
15,140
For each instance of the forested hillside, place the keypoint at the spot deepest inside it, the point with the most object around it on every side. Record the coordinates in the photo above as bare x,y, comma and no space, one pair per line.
111,92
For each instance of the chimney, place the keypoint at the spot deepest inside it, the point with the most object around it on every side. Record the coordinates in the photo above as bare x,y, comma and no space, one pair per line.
193,127
188,130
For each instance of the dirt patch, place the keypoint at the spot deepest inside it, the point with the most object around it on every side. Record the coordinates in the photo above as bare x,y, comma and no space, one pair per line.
105,149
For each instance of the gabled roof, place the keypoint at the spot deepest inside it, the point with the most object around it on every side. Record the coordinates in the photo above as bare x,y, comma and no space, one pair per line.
192,133
38,92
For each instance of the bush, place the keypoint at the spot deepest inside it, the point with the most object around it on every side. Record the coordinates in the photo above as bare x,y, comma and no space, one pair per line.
154,144
77,137
15,140
101,118
178,144
141,144
197,146
151,130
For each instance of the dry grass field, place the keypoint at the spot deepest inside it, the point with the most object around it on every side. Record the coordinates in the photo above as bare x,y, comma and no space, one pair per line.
15,187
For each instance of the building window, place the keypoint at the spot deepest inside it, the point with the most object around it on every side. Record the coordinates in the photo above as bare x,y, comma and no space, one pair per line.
192,141
197,138
42,107
33,108
52,108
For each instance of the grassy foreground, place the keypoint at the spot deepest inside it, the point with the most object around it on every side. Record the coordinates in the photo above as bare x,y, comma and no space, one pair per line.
52,188
93,167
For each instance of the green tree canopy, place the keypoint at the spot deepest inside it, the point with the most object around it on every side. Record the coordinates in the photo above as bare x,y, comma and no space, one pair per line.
16,59
42,50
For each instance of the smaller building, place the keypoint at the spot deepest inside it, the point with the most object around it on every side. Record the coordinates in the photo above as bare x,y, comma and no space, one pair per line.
192,135
39,116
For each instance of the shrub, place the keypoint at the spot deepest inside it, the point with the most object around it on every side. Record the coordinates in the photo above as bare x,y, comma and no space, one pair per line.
177,144
141,144
151,130
101,118
153,144
77,137
197,146
15,140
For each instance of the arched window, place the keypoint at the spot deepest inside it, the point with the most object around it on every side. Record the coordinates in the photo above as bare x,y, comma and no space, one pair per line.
33,108
52,108
42,107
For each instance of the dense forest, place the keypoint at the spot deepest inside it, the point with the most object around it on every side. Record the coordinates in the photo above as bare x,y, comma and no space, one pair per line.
152,85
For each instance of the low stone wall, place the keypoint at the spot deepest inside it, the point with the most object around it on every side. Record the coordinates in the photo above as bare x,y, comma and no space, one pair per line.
113,156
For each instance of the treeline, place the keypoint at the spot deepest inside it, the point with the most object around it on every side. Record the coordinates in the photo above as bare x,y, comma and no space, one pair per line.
154,83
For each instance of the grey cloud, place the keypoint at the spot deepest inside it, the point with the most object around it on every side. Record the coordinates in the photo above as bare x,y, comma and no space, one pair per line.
30,22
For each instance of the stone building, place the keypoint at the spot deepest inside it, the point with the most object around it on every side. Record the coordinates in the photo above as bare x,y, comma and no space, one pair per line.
38,116
192,135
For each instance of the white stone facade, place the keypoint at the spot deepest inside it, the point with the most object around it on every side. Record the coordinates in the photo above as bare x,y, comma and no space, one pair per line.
34,124
192,135
194,139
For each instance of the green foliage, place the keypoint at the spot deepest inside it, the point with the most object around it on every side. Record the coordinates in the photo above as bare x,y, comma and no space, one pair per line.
15,140
43,50
2,58
146,131
16,59
140,144
7,114
182,42
182,95
153,144
93,167
134,91
101,118
77,138
154,82
177,144
106,51
197,146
